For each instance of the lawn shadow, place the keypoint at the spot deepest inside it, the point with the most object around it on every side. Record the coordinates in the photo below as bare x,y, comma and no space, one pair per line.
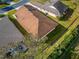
55,34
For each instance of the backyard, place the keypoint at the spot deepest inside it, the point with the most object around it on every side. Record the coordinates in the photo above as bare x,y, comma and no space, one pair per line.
65,49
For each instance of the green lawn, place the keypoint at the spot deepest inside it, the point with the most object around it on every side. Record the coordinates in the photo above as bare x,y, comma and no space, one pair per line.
48,51
16,0
2,15
40,1
68,42
55,34
3,5
70,4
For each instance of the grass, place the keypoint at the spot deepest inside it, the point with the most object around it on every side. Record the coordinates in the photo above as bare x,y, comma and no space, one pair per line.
48,51
4,5
40,1
2,15
75,55
16,0
70,4
68,45
11,12
55,34
64,45
51,37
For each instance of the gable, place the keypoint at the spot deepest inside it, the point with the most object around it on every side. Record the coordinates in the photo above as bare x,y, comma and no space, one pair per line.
34,22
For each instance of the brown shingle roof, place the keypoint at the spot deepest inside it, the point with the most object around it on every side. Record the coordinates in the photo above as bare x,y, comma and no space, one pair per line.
34,22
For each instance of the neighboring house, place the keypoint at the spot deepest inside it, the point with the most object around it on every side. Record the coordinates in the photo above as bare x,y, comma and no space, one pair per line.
34,22
5,1
62,9
8,32
53,6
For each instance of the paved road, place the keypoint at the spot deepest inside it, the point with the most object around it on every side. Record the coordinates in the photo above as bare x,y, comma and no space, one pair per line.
8,8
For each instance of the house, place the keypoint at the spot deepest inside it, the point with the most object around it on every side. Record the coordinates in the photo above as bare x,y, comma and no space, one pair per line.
63,9
34,22
8,32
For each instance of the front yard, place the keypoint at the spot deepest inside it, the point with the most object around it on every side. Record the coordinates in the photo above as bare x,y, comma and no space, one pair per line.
4,5
39,1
